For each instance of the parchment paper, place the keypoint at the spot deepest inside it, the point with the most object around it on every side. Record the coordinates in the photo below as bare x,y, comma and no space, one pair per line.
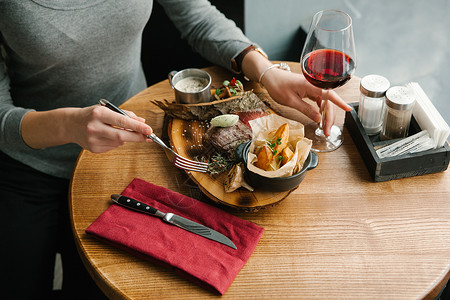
262,127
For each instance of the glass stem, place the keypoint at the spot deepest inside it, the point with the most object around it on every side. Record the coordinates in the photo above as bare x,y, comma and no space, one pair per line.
323,109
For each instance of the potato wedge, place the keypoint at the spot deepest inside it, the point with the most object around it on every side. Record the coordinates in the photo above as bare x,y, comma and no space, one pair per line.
265,158
281,138
287,154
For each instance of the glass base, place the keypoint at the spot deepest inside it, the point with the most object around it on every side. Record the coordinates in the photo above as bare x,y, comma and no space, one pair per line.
322,143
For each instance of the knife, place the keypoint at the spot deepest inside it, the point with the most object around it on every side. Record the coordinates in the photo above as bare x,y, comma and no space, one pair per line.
173,219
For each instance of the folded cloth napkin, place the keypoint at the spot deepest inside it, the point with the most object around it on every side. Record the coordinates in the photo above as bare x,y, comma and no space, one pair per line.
207,263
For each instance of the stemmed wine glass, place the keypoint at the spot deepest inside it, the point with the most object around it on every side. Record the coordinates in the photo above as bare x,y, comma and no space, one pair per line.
328,61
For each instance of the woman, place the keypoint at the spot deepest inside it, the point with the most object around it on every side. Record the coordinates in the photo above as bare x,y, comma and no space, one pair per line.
59,58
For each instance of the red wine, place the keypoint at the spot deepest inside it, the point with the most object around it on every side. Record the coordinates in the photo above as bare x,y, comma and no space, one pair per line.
327,69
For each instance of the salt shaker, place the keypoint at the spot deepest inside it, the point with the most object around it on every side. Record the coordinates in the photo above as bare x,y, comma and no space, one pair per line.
371,106
398,110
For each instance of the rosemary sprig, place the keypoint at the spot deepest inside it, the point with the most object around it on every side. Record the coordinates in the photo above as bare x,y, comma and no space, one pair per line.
219,163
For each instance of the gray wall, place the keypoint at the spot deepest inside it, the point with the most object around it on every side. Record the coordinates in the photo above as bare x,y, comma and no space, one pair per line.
402,40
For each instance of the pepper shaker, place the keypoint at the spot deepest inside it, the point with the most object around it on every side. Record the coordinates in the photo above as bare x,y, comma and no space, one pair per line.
371,107
398,110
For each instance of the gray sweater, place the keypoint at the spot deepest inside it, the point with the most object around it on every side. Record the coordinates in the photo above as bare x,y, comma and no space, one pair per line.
71,53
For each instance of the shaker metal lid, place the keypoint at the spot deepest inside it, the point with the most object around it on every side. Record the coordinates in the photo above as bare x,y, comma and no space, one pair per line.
400,98
374,86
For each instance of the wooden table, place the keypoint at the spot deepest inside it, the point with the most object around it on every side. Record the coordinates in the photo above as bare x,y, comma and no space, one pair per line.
338,236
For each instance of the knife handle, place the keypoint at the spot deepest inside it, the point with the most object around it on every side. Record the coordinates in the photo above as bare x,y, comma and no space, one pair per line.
134,204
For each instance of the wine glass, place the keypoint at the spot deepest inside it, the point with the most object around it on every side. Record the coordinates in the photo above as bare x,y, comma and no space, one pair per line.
328,61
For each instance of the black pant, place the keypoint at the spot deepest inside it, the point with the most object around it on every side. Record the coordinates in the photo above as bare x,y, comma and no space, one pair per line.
34,226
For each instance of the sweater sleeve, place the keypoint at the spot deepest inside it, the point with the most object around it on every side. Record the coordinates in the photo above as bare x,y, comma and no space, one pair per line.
207,30
10,115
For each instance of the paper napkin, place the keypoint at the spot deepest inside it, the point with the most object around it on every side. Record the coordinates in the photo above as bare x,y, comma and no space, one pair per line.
428,117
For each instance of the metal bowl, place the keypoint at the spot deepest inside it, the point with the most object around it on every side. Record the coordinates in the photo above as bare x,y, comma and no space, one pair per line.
277,184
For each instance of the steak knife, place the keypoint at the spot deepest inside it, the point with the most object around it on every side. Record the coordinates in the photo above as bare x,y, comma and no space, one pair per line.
173,219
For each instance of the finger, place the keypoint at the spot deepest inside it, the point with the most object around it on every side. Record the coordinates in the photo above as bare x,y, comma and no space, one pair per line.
114,137
142,120
307,109
328,117
121,121
134,116
336,99
103,147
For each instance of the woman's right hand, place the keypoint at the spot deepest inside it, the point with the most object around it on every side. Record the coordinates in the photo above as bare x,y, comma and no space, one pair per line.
95,128
101,129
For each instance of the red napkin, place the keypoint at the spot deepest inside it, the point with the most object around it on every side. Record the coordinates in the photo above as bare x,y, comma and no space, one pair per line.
205,262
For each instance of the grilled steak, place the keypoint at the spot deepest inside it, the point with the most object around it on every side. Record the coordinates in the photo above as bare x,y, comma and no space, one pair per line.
226,139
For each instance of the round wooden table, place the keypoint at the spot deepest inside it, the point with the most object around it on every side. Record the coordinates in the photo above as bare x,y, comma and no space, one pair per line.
338,236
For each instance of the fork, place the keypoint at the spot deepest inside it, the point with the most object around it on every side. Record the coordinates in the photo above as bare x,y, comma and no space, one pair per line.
176,159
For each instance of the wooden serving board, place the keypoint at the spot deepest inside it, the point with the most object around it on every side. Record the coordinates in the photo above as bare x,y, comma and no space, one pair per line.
186,139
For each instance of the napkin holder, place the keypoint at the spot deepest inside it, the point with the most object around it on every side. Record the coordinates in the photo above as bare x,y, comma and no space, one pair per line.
389,168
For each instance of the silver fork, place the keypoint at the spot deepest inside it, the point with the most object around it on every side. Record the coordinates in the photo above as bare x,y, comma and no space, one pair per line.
176,159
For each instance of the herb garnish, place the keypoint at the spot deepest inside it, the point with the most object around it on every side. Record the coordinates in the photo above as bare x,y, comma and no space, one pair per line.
218,162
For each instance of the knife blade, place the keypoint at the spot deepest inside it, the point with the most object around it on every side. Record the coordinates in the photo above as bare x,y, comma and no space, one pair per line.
173,219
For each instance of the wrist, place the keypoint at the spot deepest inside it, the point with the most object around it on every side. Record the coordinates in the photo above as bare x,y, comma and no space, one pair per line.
66,120
253,65
236,62
281,66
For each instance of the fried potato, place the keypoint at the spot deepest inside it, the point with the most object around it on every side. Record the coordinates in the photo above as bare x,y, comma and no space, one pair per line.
265,158
276,153
287,154
281,138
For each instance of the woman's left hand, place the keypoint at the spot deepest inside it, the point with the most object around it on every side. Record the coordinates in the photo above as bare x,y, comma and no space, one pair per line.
290,89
